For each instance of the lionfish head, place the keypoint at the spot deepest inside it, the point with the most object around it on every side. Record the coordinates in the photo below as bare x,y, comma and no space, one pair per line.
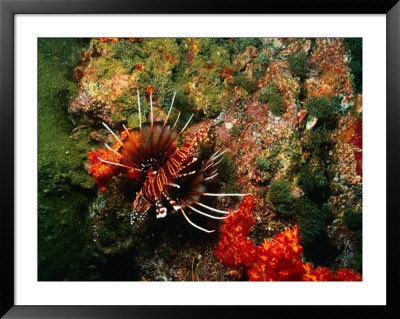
141,205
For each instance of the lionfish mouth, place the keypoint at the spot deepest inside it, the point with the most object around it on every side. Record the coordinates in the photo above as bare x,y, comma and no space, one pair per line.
151,149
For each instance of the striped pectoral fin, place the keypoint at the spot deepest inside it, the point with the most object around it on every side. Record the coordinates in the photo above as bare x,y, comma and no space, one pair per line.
208,207
201,212
168,136
212,163
132,146
125,151
156,137
161,211
217,195
173,185
181,168
169,142
184,174
163,134
141,146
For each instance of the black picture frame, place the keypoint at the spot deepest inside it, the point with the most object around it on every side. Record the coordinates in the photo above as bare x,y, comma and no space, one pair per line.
8,10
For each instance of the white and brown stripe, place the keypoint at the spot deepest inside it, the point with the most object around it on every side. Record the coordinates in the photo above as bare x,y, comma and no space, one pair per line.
152,149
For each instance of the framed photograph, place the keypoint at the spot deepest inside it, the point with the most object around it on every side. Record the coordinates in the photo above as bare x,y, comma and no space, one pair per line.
165,161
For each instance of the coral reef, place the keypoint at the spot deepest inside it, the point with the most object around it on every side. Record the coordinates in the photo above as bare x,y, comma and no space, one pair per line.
292,124
103,172
276,259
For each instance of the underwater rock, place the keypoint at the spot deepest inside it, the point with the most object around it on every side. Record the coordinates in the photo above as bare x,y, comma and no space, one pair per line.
96,136
260,88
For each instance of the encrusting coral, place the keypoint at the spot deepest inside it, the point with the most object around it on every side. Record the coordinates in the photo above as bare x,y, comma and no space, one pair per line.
292,128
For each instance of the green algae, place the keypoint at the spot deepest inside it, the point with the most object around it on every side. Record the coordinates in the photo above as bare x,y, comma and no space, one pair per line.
314,180
279,192
249,84
129,54
227,172
270,94
161,63
133,120
299,64
109,67
313,222
236,130
64,250
110,213
242,43
322,108
262,163
280,196
64,187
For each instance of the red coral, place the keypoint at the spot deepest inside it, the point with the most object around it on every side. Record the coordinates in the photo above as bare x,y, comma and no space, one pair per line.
277,259
347,275
78,74
226,72
150,89
319,274
102,172
210,66
234,249
135,39
113,40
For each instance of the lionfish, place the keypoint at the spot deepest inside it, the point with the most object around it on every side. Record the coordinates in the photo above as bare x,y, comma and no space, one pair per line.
152,149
